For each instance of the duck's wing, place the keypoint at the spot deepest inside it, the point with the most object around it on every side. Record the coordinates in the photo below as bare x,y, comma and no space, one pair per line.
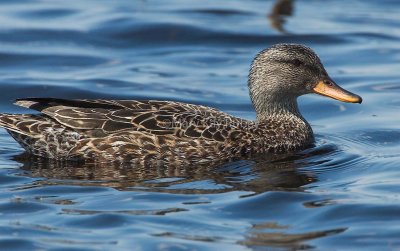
96,118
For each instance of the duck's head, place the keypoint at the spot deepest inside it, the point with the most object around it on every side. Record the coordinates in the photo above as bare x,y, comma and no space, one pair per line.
283,72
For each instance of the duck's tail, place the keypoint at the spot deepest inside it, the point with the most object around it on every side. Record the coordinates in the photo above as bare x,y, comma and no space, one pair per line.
26,129
24,124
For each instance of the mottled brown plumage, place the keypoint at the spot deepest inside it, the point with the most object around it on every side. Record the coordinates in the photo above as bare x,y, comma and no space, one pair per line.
166,132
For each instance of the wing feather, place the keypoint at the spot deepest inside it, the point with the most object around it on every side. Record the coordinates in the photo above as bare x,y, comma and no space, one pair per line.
105,117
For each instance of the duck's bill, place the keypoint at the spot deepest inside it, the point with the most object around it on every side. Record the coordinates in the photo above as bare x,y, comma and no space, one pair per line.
330,89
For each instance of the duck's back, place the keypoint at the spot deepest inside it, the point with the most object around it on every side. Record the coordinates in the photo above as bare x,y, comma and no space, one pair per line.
128,131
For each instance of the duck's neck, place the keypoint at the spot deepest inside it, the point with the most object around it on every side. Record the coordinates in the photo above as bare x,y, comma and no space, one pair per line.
284,108
282,123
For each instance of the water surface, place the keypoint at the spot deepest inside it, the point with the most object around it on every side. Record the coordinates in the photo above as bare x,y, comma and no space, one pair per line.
343,194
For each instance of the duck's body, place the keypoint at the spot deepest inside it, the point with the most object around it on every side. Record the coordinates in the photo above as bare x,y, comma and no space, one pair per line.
159,132
147,131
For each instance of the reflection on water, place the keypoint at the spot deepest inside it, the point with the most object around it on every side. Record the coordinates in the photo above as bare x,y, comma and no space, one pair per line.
272,235
258,175
280,11
340,195
266,173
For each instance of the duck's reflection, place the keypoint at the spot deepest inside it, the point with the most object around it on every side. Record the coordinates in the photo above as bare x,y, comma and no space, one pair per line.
256,176
280,11
279,172
272,235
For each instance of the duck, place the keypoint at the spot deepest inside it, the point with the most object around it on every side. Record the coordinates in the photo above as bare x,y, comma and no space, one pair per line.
153,132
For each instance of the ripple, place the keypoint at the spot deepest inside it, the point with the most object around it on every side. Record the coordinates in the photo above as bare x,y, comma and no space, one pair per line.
319,203
20,207
189,237
218,12
61,190
128,212
286,240
388,87
178,34
19,244
7,179
48,36
99,221
380,138
47,13
374,35
40,60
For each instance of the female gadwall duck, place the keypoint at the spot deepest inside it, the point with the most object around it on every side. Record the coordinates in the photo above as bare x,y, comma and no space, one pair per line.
162,132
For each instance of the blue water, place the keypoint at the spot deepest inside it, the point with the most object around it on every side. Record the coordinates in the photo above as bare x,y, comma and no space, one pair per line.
343,194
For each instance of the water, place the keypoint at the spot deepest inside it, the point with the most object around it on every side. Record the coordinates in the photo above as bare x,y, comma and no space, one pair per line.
342,194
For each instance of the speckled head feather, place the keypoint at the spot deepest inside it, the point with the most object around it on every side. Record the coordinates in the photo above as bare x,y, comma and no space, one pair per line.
279,75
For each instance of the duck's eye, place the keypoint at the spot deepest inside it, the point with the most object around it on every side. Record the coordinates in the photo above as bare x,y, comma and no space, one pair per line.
297,62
